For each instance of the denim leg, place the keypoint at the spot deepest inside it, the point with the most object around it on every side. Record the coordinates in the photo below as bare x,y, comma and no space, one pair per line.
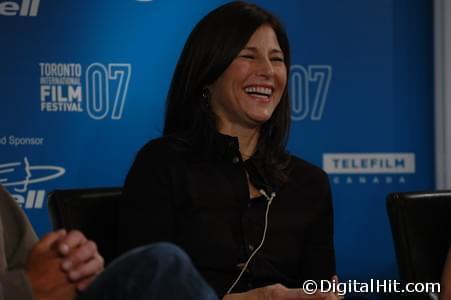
158,271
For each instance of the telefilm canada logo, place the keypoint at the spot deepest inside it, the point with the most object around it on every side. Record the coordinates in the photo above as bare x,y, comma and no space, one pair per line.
308,91
99,90
24,8
369,168
20,178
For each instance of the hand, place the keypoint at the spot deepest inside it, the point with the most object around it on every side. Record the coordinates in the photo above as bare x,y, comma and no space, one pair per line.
81,261
445,293
336,296
278,292
47,279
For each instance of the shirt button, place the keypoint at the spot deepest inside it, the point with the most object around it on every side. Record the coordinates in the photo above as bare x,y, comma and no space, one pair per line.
250,247
236,160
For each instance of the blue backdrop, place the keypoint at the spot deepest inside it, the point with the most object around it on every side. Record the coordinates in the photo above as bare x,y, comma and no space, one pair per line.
83,85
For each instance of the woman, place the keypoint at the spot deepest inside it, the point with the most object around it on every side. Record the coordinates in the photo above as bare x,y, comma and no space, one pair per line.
220,183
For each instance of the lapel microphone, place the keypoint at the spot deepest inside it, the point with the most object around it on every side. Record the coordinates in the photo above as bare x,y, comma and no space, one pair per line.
257,178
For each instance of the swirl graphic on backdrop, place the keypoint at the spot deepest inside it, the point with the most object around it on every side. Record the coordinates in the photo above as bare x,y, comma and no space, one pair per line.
21,174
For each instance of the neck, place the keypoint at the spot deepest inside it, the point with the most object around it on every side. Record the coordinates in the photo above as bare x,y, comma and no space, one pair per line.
247,138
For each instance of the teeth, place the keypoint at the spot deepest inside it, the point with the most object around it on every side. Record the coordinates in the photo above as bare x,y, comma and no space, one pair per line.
258,89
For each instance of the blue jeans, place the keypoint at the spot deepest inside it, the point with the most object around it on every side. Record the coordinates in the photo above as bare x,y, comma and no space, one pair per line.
158,271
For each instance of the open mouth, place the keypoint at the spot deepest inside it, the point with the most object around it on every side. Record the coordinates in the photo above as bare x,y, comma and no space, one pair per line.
263,93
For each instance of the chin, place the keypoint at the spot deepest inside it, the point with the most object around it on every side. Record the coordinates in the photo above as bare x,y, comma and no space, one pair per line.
260,119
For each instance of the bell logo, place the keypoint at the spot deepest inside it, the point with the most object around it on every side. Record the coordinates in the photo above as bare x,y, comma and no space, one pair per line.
28,8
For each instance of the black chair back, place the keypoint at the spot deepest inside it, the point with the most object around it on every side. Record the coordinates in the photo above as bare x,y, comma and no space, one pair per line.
421,228
92,211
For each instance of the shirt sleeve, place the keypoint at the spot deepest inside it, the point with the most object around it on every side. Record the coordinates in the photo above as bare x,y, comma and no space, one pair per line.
17,237
146,211
15,285
319,259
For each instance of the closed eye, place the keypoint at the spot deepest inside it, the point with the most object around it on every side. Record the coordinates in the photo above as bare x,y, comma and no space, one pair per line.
277,59
247,56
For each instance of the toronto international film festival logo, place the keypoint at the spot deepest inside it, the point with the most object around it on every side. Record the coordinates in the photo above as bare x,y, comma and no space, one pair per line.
308,91
100,90
19,176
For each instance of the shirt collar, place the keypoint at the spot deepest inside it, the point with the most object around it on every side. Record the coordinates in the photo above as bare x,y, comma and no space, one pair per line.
225,146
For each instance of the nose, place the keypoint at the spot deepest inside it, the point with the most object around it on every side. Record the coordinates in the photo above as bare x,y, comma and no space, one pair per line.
265,67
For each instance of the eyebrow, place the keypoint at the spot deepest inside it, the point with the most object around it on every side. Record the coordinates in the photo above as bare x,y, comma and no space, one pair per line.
274,50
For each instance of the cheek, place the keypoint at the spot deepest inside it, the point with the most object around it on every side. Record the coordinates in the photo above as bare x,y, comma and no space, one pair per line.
238,70
281,83
281,77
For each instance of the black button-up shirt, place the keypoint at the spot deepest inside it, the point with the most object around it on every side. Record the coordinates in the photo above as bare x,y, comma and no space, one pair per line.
202,203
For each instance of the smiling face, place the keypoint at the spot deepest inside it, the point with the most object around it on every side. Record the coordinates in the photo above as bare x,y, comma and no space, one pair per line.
251,87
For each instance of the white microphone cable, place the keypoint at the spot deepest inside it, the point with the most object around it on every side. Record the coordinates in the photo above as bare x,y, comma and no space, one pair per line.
273,194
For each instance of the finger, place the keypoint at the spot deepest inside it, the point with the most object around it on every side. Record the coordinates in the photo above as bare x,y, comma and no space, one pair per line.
303,295
281,292
87,269
50,238
79,255
84,283
72,240
336,295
